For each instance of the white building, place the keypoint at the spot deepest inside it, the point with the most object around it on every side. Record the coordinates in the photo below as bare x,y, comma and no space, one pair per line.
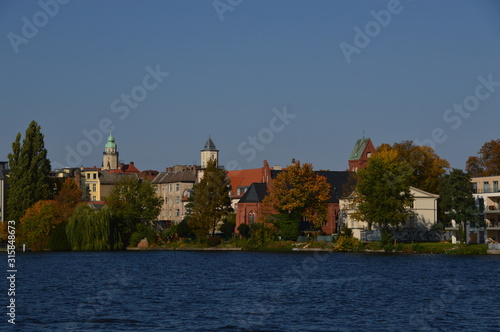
423,216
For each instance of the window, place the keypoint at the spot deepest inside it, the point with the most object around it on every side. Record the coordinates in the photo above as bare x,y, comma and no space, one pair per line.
177,187
177,212
171,200
170,187
495,186
251,217
177,199
94,187
94,176
486,187
94,198
88,175
474,187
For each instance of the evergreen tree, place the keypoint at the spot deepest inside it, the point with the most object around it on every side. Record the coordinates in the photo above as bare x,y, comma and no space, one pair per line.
29,172
456,198
210,202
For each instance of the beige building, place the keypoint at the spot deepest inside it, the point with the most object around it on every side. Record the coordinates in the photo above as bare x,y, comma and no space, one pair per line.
423,216
487,195
174,187
99,184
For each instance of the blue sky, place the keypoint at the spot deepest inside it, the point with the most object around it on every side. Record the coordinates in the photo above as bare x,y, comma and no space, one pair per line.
266,79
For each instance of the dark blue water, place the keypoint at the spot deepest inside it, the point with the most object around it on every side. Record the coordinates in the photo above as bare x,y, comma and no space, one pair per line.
239,291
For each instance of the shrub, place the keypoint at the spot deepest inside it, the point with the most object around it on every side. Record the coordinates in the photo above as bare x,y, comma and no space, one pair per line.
244,230
213,241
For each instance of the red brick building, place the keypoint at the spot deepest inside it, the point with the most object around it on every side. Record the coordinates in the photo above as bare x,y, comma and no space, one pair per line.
249,198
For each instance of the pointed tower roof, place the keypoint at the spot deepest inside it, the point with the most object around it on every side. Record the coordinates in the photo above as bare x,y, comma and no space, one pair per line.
111,142
209,145
358,149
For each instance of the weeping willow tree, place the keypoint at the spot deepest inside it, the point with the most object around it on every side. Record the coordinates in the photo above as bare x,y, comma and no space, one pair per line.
88,229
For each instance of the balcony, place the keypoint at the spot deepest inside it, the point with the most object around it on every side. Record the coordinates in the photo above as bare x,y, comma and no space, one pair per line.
492,209
485,191
493,225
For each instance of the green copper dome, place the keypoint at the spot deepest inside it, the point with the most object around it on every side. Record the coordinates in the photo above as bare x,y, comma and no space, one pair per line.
111,142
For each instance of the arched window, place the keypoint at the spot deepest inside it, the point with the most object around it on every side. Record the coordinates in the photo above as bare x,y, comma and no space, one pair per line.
251,217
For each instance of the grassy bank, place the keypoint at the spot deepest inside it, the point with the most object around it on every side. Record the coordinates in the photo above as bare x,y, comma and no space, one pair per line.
288,246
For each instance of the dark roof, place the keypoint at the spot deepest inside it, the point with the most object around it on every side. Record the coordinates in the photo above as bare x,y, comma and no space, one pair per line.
255,193
184,176
337,181
358,149
209,145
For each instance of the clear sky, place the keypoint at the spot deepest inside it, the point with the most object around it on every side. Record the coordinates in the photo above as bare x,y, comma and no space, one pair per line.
271,80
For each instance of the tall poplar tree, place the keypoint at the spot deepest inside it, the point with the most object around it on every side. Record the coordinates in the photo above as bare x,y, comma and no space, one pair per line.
29,172
210,202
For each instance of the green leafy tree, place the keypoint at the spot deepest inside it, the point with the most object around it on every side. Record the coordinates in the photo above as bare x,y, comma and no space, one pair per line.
383,191
427,166
456,198
29,172
300,192
88,229
228,226
209,203
488,161
133,202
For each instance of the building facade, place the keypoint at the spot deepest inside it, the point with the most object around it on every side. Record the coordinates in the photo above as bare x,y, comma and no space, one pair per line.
174,187
487,194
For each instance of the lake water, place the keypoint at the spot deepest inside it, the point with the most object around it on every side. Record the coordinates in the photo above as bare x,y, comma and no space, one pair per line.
243,291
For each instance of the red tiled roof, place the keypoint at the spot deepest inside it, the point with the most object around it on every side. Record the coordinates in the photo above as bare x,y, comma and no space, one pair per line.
244,178
129,168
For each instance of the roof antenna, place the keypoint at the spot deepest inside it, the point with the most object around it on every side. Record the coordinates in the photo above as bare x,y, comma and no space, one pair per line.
363,134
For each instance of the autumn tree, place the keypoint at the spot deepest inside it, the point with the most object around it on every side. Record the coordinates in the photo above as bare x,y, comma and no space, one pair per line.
38,223
209,203
133,202
487,162
298,193
382,195
427,167
68,197
456,198
29,172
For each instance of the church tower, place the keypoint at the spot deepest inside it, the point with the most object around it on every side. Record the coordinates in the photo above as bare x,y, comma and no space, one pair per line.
110,155
363,149
209,152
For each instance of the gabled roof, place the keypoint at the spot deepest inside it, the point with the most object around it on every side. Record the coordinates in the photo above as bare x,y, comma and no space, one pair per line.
421,193
244,178
255,193
184,176
358,149
209,145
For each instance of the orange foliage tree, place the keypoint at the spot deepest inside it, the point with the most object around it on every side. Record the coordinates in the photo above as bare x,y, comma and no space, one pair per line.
301,192
38,223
